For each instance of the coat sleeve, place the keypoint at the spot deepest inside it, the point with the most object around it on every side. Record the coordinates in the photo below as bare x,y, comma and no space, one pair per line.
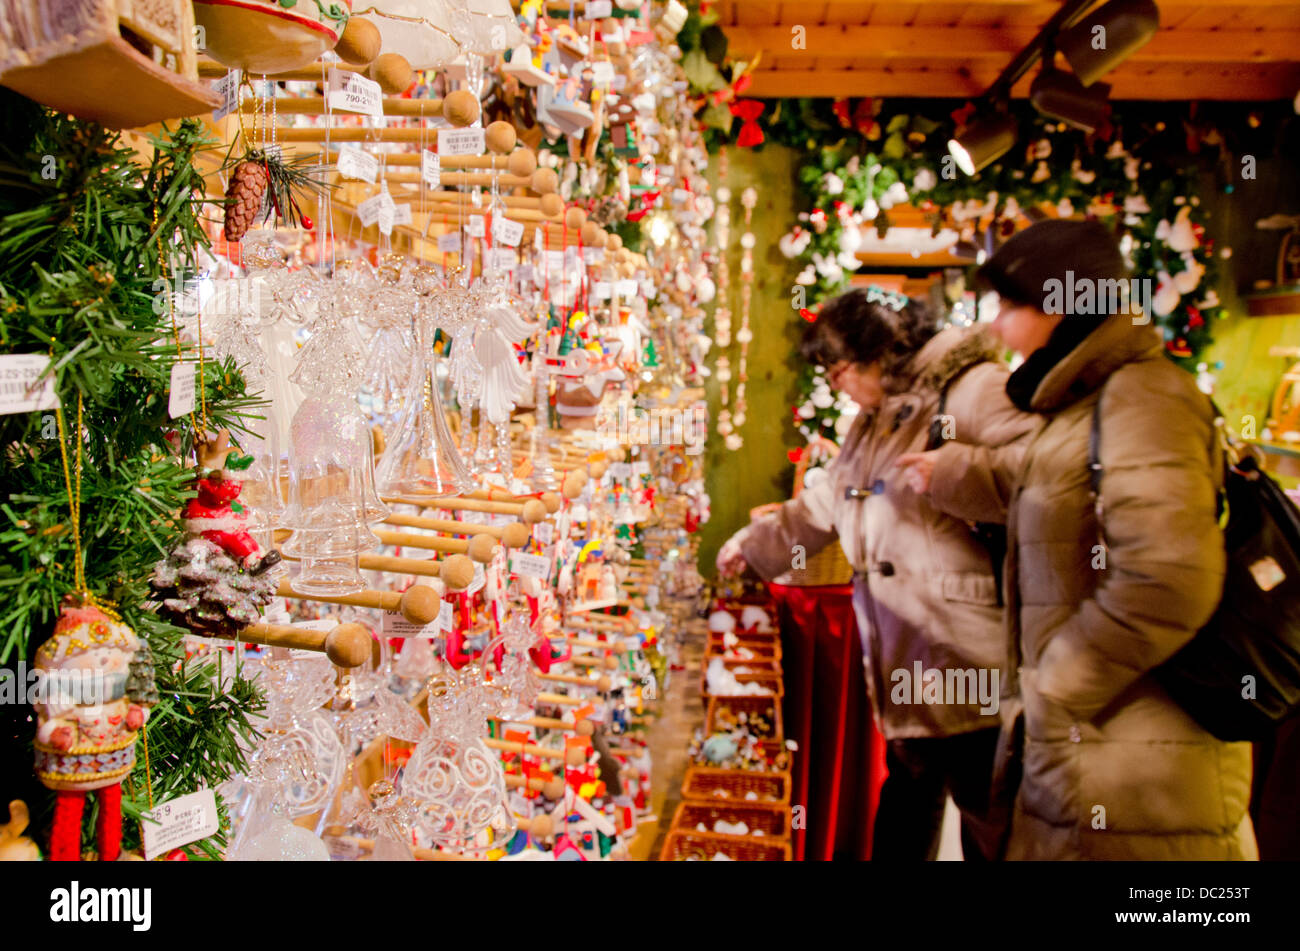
974,472
807,521
1164,558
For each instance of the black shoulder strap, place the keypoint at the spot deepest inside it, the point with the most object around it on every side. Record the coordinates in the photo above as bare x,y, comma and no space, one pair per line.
936,439
1095,467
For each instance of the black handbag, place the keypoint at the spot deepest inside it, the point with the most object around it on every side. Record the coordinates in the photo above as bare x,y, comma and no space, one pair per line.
1240,675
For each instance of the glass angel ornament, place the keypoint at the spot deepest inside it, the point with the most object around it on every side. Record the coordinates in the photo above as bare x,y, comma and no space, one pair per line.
422,460
457,781
332,498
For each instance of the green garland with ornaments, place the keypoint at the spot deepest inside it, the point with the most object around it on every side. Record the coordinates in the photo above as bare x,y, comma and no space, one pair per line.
1141,174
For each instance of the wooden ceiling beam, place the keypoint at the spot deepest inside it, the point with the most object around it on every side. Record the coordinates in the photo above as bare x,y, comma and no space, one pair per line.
989,43
1245,84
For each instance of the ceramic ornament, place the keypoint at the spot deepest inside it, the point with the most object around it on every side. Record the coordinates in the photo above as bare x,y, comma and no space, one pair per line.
270,36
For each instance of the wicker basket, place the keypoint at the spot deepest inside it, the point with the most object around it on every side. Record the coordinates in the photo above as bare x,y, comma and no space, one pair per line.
772,821
769,707
711,785
680,846
828,566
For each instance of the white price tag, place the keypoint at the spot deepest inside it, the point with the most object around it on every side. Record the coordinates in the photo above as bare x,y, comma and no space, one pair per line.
501,259
480,579
460,142
317,624
402,214
227,87
529,566
449,243
180,395
507,231
354,163
593,256
476,226
555,260
276,613
598,10
544,532
352,92
179,822
620,470
19,391
601,290
628,288
368,210
445,620
394,625
386,218
641,468
431,168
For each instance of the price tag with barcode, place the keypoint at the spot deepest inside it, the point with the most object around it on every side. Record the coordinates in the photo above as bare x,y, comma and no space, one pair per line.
352,92
620,470
402,214
601,290
227,87
627,288
507,231
460,142
449,243
354,163
368,210
529,566
394,625
180,395
480,579
544,532
19,390
445,620
176,823
431,168
475,227
501,259
593,256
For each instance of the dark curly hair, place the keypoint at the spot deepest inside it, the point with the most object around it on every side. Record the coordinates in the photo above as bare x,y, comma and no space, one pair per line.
852,327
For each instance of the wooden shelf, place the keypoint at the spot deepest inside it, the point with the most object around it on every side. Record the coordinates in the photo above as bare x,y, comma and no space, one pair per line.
1274,302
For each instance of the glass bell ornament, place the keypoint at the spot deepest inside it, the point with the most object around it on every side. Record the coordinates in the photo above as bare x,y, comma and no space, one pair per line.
422,460
332,498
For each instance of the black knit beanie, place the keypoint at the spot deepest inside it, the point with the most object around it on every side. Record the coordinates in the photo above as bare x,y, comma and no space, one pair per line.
1057,250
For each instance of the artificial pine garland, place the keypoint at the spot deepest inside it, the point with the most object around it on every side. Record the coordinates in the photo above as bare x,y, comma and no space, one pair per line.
80,219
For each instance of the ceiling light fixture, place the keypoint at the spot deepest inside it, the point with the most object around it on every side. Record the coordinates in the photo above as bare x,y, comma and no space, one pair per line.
1111,34
984,141
1061,96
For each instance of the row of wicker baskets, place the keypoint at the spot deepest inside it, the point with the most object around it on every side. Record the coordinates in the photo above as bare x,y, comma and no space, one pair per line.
759,799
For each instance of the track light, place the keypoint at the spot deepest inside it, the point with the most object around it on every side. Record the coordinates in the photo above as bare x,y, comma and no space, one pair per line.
1063,97
983,142
1096,45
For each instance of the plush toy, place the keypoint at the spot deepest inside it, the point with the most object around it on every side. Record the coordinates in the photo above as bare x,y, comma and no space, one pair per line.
86,729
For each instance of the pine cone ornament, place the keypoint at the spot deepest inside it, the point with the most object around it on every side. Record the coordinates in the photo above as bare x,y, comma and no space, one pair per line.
244,198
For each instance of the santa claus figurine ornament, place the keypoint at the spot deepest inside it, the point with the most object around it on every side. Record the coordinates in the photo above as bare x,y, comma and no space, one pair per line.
217,580
88,723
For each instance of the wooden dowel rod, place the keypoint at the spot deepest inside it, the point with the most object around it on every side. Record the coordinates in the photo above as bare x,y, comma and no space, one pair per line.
526,749
542,723
447,525
480,547
419,604
536,785
315,106
561,699
460,503
602,683
587,660
211,69
423,567
347,645
614,646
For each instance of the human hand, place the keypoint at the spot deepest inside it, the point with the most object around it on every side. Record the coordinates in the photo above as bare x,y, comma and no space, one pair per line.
731,560
918,467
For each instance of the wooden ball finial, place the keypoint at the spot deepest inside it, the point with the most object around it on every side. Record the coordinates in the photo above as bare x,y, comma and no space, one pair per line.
575,217
541,826
460,108
598,469
456,571
522,162
392,72
482,547
360,42
573,484
500,137
553,789
615,243
348,645
515,535
584,727
551,205
534,511
420,604
552,501
575,756
545,181
591,234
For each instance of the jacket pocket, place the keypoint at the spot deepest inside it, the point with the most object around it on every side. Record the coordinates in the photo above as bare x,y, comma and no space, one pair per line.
969,587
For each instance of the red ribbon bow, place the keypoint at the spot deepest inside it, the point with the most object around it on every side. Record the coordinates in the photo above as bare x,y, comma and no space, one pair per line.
748,111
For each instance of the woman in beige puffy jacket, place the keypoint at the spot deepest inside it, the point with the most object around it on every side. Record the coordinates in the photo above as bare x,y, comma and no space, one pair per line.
1100,593
925,592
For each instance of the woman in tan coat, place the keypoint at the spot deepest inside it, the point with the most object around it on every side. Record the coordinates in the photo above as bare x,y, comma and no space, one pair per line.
1100,592
925,589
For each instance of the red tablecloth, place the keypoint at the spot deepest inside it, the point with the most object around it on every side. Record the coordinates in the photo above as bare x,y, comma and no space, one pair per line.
840,765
